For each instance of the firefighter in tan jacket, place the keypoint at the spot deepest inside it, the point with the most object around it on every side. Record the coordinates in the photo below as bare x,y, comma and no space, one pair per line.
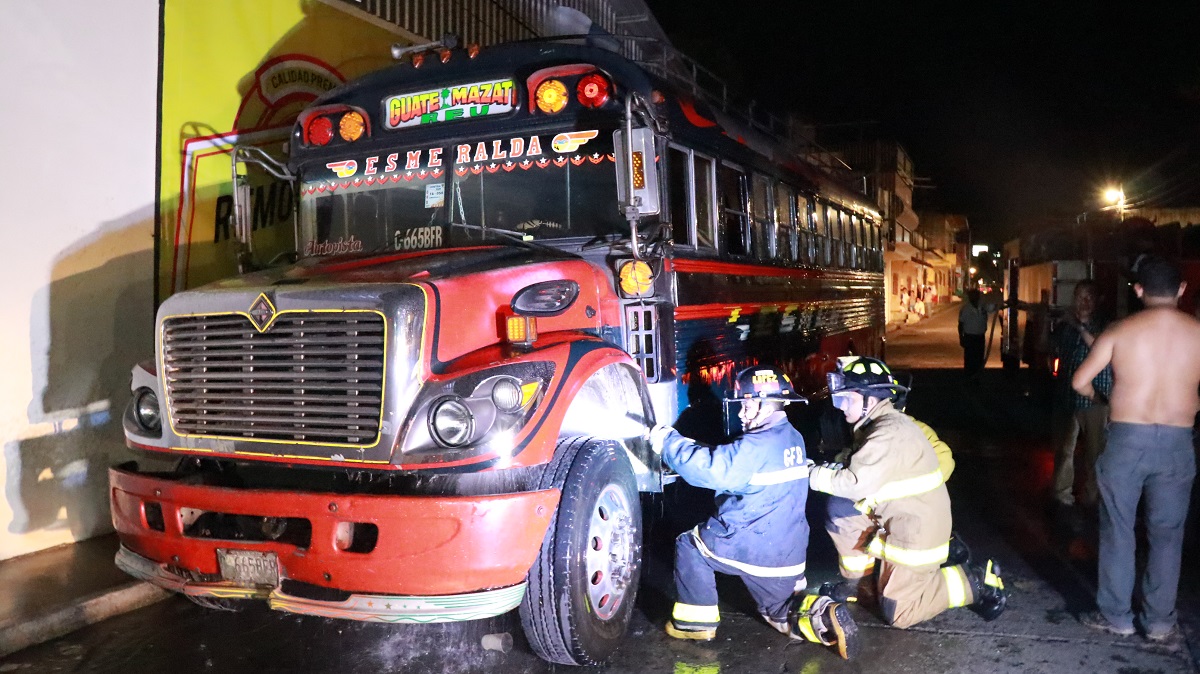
903,528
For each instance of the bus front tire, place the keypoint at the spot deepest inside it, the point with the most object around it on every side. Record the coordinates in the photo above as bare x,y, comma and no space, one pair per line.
583,584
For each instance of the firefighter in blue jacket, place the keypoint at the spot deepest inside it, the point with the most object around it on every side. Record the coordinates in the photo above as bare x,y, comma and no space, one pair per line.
760,532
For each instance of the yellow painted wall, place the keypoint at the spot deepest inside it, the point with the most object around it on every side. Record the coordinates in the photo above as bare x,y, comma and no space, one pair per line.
77,207
237,71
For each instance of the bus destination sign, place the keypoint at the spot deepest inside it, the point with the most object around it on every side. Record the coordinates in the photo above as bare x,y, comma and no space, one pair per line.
477,99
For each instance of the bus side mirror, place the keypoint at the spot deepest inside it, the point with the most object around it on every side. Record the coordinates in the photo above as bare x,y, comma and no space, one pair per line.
637,173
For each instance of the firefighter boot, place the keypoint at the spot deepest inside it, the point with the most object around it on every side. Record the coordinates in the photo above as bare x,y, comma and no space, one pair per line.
693,633
990,595
861,590
821,620
840,590
960,554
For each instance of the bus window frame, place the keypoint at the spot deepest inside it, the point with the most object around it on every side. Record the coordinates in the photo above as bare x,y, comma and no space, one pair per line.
854,240
833,223
789,204
693,216
689,190
713,226
806,235
743,212
767,251
821,230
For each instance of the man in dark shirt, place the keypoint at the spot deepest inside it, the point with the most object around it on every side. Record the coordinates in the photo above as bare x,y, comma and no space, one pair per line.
1075,415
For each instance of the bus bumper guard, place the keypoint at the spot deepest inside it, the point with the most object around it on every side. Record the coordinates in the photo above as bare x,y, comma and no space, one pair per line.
436,558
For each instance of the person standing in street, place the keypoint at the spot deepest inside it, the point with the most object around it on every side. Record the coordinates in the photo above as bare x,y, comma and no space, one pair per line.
1075,414
972,326
894,479
760,531
1155,358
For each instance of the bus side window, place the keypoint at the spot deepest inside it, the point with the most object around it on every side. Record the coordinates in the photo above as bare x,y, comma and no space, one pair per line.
679,180
804,220
821,251
880,245
733,210
785,224
847,242
760,225
703,201
864,244
853,240
833,221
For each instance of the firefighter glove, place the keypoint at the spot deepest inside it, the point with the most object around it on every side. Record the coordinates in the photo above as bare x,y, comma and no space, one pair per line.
658,435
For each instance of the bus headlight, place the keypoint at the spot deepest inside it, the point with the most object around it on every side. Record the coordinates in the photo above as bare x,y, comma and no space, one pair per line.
146,410
506,395
451,422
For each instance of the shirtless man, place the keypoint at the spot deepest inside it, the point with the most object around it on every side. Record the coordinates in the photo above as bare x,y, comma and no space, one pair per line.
1155,356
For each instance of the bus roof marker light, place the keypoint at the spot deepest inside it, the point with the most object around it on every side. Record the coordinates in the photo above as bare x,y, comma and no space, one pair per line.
444,54
351,126
472,50
551,96
592,90
320,131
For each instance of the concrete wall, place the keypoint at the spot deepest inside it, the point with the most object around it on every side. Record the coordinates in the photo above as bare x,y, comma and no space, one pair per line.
76,211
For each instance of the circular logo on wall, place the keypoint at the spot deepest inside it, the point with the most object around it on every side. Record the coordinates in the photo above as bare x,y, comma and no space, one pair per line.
282,87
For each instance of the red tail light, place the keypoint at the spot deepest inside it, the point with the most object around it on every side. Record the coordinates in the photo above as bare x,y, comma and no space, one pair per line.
1054,371
592,90
320,131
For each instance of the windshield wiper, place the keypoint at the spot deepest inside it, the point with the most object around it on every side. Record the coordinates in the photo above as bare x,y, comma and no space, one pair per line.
521,238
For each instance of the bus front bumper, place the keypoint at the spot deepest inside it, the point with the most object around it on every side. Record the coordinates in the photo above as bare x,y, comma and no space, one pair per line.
433,558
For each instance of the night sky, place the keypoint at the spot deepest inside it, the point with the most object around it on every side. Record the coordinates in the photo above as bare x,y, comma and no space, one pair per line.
1012,111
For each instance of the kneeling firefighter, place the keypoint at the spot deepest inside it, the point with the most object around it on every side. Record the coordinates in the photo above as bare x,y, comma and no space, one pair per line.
894,512
760,532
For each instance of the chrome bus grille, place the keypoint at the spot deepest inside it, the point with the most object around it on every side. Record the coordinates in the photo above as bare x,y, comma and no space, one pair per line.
311,377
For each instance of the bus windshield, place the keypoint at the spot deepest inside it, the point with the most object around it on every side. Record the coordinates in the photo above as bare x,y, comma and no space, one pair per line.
540,186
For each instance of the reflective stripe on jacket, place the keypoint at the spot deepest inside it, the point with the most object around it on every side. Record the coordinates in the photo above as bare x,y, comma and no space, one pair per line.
762,487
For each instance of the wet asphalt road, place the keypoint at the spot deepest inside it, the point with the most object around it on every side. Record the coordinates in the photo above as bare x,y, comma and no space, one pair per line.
998,430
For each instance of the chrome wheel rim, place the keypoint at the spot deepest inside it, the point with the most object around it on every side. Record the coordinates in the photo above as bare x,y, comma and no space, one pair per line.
609,554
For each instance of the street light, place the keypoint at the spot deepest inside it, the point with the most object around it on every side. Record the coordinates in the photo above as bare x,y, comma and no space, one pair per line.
1116,197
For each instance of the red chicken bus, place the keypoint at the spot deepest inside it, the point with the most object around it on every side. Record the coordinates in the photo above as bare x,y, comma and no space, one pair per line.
509,264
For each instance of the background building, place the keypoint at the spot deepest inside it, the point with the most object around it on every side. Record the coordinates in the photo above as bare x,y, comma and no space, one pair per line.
888,178
948,238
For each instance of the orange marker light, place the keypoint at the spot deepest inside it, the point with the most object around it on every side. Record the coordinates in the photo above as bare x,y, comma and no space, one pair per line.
351,127
639,171
521,330
636,278
551,96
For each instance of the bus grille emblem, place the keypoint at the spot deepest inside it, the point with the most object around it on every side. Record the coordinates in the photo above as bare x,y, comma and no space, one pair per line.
262,312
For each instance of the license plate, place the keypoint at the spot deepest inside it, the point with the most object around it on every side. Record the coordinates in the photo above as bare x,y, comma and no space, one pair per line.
250,568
